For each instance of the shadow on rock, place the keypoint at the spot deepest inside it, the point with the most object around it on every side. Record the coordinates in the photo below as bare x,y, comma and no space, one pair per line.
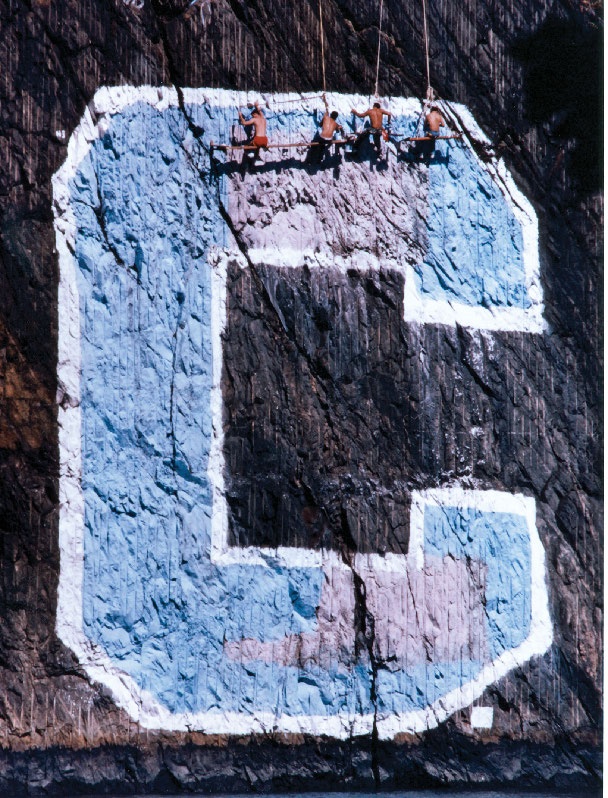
424,152
562,83
247,165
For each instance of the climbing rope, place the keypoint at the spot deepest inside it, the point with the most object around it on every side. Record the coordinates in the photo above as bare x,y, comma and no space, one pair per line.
430,94
379,45
322,43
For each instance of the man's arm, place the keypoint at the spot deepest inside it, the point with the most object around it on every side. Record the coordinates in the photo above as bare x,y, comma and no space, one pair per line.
245,122
356,113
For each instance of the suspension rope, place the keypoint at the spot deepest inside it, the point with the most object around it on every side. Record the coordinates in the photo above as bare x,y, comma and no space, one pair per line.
322,43
429,89
379,45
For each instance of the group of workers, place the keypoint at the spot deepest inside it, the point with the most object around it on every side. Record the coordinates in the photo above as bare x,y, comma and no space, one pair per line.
329,127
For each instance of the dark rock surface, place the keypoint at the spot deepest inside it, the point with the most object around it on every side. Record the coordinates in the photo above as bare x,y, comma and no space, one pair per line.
274,765
474,405
534,399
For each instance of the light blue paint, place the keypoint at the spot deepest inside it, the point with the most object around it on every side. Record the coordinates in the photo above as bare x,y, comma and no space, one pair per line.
152,598
422,684
475,247
501,542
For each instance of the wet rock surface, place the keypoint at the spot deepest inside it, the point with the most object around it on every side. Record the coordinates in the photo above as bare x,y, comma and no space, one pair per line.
512,411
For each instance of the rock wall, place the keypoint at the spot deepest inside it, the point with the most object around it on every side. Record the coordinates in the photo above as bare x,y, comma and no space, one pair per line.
317,499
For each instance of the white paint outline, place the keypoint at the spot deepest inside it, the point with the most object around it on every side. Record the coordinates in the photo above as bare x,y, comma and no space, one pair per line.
141,705
443,311
540,635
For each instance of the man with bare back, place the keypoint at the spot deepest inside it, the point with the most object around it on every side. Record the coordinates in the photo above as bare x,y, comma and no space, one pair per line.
376,129
258,120
324,137
329,126
433,122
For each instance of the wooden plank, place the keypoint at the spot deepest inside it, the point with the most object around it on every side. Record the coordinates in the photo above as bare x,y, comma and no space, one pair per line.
226,147
433,138
288,146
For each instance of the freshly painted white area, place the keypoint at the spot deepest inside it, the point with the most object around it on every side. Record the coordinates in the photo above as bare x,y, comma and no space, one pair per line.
482,717
141,705
297,258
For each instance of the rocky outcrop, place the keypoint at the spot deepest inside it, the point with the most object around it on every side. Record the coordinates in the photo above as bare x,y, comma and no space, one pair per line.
338,409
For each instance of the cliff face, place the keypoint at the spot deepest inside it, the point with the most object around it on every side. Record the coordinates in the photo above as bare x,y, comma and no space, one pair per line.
301,461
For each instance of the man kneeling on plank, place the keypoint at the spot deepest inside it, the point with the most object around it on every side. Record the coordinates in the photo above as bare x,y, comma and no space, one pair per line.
260,140
433,122
324,137
376,128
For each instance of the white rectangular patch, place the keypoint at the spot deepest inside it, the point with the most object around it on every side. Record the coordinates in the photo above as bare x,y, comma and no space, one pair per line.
482,717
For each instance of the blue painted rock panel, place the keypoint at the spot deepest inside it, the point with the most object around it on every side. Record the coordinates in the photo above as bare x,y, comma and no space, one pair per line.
475,253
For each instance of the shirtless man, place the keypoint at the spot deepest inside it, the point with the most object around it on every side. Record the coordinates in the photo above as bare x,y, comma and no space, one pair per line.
324,137
433,122
375,115
258,120
329,126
